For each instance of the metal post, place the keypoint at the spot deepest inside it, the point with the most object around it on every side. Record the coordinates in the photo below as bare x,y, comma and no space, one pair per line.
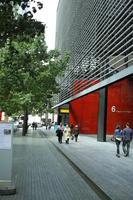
102,115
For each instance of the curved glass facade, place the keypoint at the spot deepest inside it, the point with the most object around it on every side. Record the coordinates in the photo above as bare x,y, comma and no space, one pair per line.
99,36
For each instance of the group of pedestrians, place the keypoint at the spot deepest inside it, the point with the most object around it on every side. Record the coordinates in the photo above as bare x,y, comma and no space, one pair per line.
34,125
68,132
124,136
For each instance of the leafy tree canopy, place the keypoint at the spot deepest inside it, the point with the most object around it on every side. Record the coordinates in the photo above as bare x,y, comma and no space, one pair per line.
16,18
28,74
27,70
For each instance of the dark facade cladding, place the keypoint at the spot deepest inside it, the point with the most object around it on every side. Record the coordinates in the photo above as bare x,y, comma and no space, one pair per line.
99,36
98,83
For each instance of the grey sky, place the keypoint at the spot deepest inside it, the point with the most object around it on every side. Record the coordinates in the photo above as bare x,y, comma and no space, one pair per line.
48,16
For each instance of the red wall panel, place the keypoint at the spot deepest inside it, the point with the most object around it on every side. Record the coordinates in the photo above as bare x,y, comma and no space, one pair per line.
83,85
120,104
75,87
78,86
84,112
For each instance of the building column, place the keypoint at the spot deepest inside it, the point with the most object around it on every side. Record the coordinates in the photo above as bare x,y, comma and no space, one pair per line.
53,117
102,115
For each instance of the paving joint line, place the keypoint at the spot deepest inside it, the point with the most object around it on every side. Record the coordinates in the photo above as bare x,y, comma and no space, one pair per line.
100,193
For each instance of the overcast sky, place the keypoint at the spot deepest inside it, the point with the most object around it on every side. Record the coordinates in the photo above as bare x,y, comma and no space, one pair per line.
48,16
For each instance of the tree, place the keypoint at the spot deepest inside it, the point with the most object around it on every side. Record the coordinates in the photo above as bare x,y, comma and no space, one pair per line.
27,71
16,18
28,76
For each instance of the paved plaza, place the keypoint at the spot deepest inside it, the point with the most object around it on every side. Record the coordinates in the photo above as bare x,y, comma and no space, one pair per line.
46,170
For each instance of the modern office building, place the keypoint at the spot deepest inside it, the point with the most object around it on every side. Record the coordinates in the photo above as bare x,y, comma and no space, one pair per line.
97,87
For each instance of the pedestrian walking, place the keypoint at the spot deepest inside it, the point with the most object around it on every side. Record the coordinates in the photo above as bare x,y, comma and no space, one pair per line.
118,138
60,132
76,132
33,125
49,127
67,133
71,130
127,137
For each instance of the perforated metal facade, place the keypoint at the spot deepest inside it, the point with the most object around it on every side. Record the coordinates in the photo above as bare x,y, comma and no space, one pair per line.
99,36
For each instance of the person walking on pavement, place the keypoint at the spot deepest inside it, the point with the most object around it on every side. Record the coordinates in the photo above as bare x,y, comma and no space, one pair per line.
33,125
71,132
118,138
67,133
76,132
127,137
49,127
60,132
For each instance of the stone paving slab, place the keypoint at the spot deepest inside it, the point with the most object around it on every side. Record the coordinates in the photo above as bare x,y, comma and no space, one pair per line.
40,172
98,161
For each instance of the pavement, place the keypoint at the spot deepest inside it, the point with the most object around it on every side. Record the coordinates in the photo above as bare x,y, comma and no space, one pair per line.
43,169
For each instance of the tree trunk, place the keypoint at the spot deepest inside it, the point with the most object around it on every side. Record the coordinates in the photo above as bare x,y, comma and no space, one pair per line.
25,122
6,118
53,117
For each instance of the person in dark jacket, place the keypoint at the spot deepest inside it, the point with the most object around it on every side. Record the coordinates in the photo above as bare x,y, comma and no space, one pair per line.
127,137
76,132
71,128
60,132
33,125
118,138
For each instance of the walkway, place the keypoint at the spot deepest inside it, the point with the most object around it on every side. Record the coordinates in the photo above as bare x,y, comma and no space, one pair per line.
40,172
42,169
98,161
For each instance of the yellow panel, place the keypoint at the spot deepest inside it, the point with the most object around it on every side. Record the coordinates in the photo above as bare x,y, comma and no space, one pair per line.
64,110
